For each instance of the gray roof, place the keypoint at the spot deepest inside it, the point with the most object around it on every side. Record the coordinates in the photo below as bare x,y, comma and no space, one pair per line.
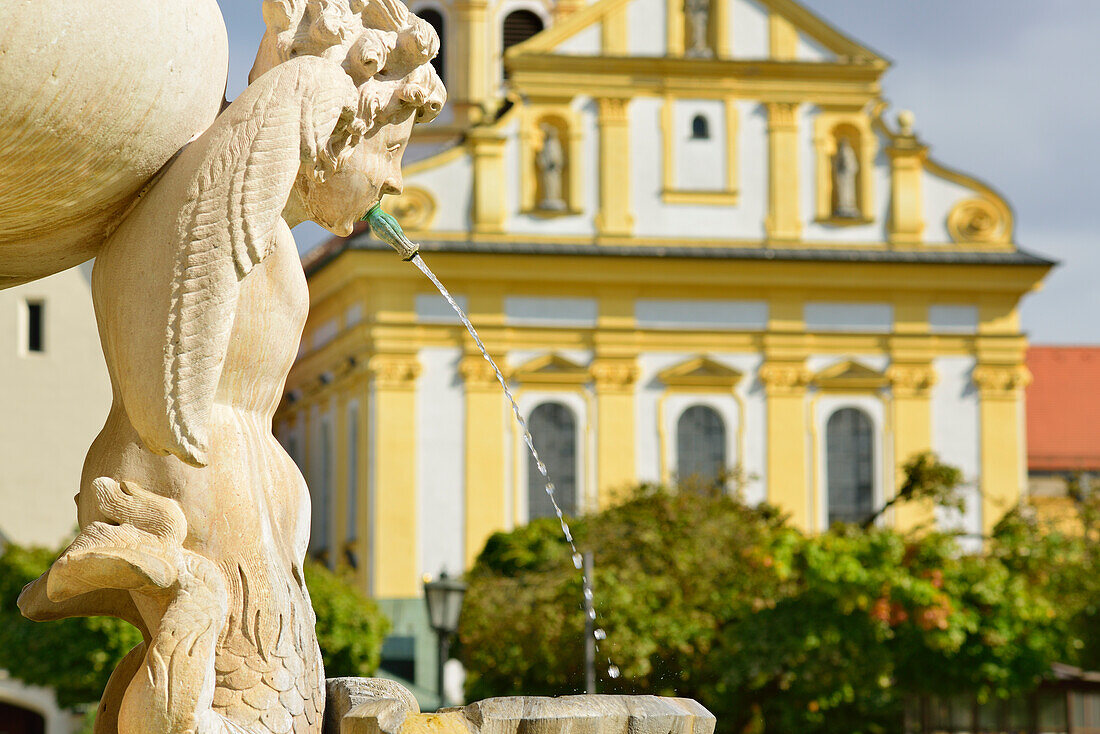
363,240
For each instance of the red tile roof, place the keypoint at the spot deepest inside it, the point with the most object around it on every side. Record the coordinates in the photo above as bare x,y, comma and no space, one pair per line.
1063,409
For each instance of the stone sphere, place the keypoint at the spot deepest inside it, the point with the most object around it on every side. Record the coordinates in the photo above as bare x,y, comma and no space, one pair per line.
95,97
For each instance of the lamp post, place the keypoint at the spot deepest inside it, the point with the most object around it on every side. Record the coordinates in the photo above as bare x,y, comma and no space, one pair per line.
444,598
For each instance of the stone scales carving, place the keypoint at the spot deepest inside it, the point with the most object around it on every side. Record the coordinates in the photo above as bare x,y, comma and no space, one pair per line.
193,520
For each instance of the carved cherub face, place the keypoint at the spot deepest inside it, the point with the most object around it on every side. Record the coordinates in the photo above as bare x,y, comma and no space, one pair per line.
372,170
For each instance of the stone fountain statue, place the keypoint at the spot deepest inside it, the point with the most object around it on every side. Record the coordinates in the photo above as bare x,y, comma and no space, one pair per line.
193,520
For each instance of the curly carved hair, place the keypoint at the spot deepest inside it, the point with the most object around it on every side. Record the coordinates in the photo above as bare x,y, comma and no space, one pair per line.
382,46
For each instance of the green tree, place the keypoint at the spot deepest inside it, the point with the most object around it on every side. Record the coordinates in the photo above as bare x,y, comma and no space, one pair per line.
703,596
76,656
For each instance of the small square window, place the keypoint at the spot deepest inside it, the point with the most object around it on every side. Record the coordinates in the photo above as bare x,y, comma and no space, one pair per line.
35,333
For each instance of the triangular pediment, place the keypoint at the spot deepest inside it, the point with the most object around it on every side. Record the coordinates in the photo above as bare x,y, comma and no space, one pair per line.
551,369
805,22
700,372
851,375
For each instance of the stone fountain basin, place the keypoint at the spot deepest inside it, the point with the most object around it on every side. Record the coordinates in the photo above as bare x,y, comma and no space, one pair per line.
377,706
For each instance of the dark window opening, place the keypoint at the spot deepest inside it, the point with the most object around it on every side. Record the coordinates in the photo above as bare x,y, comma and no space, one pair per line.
700,128
850,465
18,720
519,25
435,19
554,430
36,326
700,445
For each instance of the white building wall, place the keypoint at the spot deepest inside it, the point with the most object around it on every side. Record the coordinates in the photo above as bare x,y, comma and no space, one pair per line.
940,195
807,49
451,186
700,164
956,438
646,27
54,404
440,459
748,30
42,701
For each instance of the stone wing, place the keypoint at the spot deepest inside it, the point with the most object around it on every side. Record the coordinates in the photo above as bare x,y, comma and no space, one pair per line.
247,165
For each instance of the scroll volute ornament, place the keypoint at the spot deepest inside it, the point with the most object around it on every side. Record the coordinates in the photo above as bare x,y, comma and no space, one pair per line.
1000,380
911,380
978,221
414,208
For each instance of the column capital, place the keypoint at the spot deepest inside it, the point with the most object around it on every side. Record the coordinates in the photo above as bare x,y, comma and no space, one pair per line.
395,371
613,109
1001,382
911,380
784,378
476,372
614,374
783,115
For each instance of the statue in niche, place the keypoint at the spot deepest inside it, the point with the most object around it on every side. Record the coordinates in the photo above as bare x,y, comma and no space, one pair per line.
550,162
193,520
698,18
845,181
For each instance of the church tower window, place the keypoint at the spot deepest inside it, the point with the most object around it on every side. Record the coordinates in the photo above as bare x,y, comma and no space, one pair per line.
850,466
700,128
519,25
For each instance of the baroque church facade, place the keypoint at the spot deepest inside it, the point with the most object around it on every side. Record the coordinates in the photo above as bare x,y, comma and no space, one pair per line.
695,242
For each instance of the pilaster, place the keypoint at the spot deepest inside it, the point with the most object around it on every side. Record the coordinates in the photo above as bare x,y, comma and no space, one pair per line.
469,87
616,469
782,38
1000,392
395,572
615,216
490,205
788,482
783,221
907,156
911,387
485,433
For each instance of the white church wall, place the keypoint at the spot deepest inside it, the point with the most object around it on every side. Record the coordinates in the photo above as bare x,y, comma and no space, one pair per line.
646,23
808,49
587,42
450,185
748,30
956,439
940,195
440,405
655,218
700,163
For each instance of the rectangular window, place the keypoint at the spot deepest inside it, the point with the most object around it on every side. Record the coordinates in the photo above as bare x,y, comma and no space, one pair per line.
36,327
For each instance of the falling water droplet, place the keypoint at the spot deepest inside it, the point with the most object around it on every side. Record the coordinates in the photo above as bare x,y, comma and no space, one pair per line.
613,671
588,594
592,614
599,634
578,560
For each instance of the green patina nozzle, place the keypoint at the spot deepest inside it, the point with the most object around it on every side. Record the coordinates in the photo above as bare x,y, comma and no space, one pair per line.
387,229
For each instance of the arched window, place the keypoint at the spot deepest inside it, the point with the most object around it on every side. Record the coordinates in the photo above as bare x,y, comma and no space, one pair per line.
554,430
19,720
519,25
850,466
700,128
435,19
700,444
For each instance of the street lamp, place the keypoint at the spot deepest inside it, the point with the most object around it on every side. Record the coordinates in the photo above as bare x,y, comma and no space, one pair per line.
444,598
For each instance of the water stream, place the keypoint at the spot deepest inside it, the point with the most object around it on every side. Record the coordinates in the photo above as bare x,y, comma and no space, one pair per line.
578,560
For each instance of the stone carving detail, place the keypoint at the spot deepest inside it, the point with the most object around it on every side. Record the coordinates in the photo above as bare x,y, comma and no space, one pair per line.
614,374
911,380
395,371
785,378
977,221
414,208
1000,380
846,181
194,521
476,372
697,14
550,163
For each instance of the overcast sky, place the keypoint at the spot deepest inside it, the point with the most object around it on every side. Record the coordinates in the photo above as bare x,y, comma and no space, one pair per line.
1002,89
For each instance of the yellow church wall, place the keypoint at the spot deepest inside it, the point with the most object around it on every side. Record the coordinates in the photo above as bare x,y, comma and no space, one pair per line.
383,379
